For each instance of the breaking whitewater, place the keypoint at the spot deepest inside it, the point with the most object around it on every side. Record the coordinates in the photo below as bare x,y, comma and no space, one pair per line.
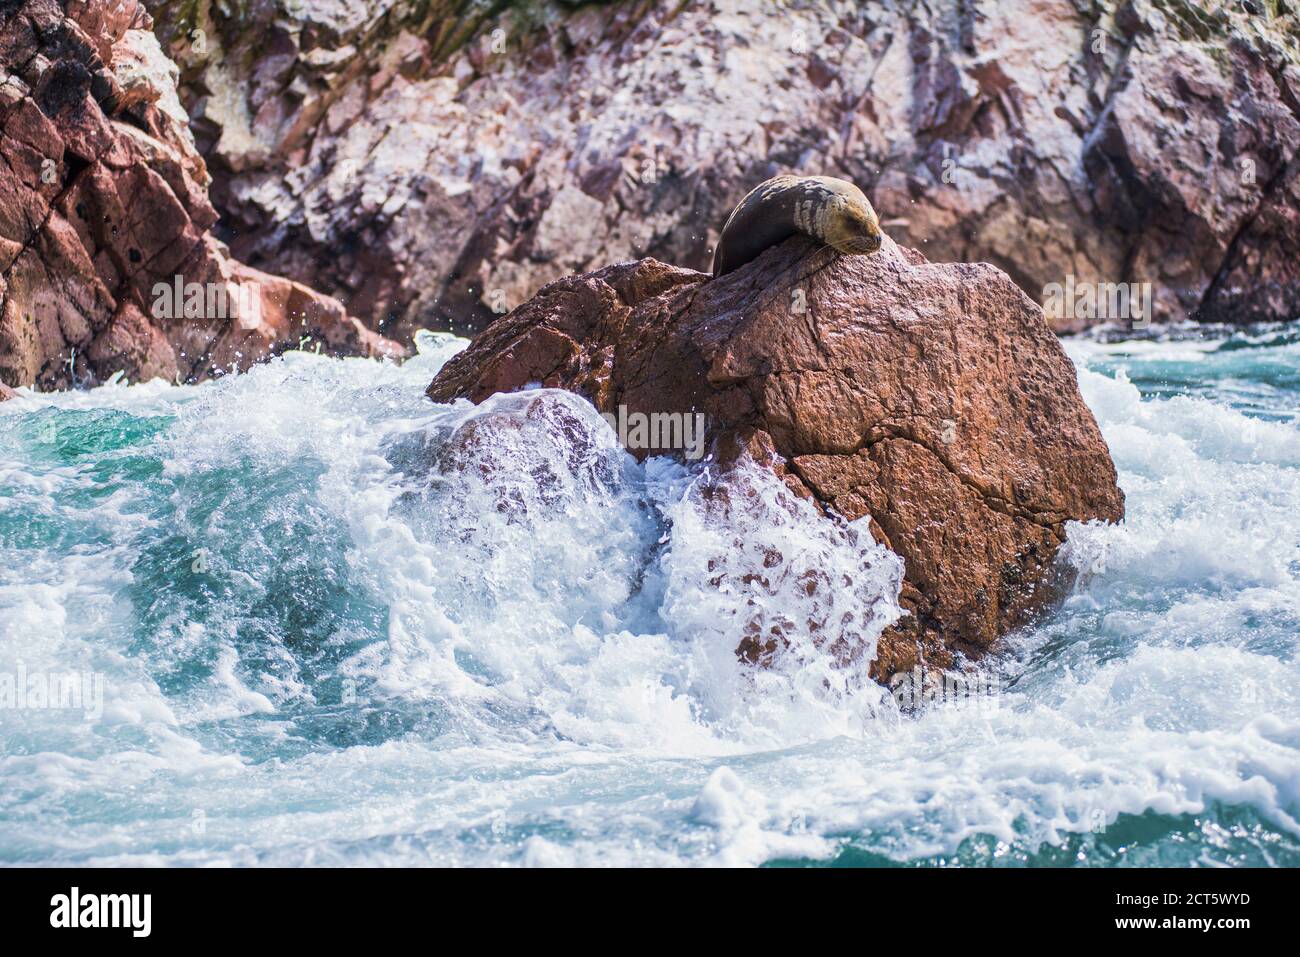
264,620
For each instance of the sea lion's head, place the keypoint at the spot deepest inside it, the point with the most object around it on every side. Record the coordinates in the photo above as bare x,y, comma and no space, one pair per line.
852,226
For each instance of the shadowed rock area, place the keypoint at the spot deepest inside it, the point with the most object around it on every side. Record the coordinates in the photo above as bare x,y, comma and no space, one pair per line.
932,397
103,197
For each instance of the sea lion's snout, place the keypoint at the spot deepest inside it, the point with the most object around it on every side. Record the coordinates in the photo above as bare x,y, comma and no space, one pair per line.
866,244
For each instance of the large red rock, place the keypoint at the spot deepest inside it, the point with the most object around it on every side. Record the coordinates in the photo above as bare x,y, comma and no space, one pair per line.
932,397
103,203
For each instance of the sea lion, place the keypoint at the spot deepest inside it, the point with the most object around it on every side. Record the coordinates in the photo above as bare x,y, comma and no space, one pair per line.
831,210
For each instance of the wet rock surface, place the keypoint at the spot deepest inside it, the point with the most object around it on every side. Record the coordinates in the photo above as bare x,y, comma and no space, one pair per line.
932,397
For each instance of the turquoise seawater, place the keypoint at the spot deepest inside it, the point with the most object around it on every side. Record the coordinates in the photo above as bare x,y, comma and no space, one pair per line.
316,619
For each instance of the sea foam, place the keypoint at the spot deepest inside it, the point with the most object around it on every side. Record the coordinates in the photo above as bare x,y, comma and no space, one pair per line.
340,624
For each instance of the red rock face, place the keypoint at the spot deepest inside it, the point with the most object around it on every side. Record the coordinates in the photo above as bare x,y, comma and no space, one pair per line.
932,397
1141,141
1194,158
103,204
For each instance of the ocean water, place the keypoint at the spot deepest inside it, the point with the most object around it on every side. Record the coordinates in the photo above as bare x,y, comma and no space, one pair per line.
315,619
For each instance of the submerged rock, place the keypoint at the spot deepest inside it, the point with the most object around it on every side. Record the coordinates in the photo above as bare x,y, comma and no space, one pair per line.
108,260
932,397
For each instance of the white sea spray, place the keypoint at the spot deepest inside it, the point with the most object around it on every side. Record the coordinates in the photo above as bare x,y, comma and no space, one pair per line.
338,624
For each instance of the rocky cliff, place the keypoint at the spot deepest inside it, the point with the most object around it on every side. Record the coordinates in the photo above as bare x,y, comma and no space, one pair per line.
108,263
932,397
435,163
